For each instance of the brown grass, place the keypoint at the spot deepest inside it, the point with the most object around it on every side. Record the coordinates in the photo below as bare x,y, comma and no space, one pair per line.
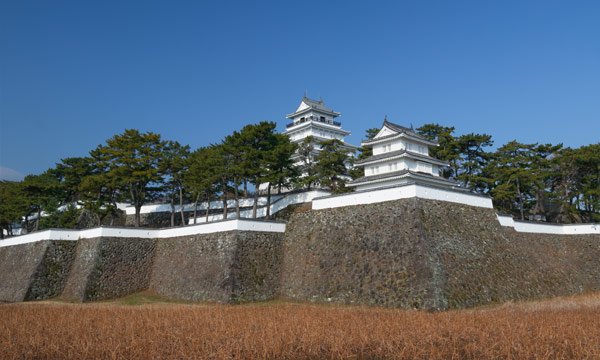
567,328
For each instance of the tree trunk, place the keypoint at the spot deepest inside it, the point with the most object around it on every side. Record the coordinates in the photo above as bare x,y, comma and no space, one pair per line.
37,221
196,207
520,196
237,201
138,217
207,206
225,203
181,206
172,211
245,188
268,213
255,204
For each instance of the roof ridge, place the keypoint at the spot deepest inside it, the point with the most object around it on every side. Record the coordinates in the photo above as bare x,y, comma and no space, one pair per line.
400,128
320,101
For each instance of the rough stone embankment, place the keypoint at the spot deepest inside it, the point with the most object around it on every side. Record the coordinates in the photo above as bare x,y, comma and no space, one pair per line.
226,267
106,268
34,271
429,254
409,253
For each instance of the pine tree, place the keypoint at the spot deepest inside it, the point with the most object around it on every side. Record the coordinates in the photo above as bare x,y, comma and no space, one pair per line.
133,161
332,166
203,177
174,163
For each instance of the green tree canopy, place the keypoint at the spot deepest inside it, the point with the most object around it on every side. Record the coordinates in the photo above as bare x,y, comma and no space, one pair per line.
333,166
133,164
173,165
13,205
306,156
472,159
204,176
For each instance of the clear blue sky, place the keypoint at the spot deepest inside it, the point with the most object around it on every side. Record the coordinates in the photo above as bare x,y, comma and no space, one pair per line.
74,73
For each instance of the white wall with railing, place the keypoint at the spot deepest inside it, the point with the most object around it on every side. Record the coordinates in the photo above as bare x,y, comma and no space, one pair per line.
320,200
401,192
281,203
156,208
547,228
215,227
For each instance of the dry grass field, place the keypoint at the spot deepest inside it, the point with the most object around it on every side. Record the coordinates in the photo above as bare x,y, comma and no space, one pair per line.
141,328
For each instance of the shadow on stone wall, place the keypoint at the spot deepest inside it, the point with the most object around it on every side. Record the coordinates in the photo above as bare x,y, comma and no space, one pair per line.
224,267
107,268
34,271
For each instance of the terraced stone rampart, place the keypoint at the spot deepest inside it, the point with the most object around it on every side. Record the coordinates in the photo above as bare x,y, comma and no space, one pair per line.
233,266
429,254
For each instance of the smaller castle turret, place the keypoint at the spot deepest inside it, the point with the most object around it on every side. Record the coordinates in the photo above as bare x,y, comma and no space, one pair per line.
400,156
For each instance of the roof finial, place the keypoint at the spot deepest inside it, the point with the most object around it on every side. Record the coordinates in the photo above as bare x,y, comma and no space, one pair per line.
411,126
385,118
305,93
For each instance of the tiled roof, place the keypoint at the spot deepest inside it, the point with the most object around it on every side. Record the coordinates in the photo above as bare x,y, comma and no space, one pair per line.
379,176
380,156
317,104
403,129
399,130
401,173
400,152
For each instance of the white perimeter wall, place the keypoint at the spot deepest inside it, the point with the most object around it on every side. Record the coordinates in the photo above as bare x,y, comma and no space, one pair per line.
149,209
358,198
546,228
401,192
74,235
277,205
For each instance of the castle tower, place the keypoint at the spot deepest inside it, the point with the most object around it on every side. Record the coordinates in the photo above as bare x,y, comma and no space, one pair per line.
400,157
313,118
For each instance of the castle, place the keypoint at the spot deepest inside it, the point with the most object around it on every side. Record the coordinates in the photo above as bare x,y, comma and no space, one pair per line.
406,238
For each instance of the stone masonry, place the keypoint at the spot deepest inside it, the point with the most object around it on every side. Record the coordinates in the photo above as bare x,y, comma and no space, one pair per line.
409,253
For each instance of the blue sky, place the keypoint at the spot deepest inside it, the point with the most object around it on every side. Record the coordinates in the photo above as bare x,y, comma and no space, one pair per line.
74,73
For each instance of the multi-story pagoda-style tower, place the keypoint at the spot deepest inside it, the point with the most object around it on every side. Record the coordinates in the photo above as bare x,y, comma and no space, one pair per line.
400,157
313,118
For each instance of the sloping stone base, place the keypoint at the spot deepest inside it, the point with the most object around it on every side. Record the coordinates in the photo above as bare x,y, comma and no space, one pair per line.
225,267
416,253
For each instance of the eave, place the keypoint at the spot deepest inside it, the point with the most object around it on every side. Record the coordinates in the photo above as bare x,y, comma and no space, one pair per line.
309,123
309,109
400,154
392,137
397,175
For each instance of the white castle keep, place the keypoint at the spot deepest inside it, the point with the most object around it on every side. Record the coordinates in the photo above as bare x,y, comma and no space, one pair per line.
313,118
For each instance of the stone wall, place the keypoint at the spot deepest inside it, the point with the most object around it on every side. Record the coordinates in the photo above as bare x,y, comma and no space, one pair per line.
106,268
231,266
409,253
51,274
34,271
366,254
481,262
429,254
